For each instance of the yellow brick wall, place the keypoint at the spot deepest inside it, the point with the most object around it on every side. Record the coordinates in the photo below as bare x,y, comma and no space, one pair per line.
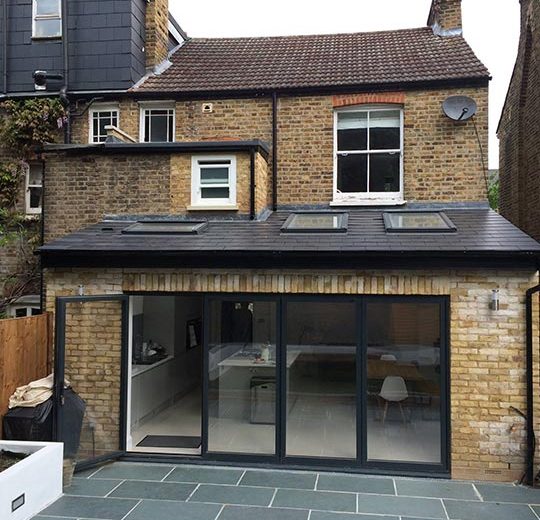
487,348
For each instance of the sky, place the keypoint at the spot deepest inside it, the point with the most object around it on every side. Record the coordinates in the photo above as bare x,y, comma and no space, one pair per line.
490,26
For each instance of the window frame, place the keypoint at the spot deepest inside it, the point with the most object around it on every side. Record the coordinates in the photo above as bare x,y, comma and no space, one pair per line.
367,198
37,17
96,109
150,106
196,187
27,189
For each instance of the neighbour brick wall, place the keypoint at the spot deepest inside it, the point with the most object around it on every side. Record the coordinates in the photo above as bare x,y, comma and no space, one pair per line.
447,13
157,32
519,131
487,352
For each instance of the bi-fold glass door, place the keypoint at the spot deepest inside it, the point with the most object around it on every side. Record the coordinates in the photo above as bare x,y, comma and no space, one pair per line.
352,381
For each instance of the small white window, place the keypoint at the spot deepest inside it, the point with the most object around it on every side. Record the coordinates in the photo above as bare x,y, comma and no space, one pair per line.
368,155
157,124
100,117
20,311
47,19
213,181
34,188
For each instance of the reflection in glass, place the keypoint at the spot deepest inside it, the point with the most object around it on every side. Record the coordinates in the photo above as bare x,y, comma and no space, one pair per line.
352,173
404,382
321,380
242,377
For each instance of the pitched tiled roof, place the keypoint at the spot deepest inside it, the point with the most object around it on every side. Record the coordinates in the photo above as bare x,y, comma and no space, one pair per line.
296,62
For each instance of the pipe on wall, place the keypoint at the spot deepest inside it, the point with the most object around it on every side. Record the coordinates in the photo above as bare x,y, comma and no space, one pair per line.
5,44
42,237
252,185
274,150
531,439
65,88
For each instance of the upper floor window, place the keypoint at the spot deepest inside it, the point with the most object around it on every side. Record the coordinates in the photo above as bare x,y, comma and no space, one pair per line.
157,124
102,116
368,148
34,188
213,181
47,19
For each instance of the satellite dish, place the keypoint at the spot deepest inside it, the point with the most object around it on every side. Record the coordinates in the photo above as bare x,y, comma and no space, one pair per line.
459,108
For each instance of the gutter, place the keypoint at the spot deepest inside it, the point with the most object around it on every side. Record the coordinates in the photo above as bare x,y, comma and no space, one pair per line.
529,475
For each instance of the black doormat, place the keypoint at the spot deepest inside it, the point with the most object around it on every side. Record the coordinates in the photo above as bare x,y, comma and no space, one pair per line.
170,441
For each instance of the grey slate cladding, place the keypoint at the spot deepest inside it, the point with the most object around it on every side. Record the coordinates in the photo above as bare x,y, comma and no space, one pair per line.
478,230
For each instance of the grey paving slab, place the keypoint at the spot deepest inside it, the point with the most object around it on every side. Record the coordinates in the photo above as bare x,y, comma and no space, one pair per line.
237,495
282,479
322,500
41,517
85,473
506,493
91,507
91,487
355,484
154,490
131,471
262,513
459,510
439,489
162,510
205,475
392,505
325,515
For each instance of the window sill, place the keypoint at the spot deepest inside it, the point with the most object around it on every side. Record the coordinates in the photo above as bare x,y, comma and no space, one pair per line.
46,38
369,202
217,207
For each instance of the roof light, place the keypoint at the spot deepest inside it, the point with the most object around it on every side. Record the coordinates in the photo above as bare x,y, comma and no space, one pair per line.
164,227
316,222
417,222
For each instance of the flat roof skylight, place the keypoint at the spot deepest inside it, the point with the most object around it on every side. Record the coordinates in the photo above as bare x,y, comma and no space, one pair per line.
164,227
417,222
316,222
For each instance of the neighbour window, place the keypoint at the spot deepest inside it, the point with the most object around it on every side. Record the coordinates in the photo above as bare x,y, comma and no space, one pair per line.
47,19
157,125
101,117
23,311
213,181
368,155
34,187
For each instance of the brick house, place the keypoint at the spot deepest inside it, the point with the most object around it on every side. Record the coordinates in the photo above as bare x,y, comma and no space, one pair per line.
282,253
519,130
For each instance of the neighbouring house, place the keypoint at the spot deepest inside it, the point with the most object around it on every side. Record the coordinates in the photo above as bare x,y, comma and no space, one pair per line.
519,130
73,46
279,250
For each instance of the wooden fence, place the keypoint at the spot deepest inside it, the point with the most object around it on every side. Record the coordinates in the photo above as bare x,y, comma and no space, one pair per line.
25,353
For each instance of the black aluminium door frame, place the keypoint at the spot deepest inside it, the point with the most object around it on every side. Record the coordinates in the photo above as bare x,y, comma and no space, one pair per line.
361,461
59,369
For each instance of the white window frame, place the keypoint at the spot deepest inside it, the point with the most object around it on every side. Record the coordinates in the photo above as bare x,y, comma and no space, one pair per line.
196,199
96,109
38,17
368,198
29,307
156,105
29,210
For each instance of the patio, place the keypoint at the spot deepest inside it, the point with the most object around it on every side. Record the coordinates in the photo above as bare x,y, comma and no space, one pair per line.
128,491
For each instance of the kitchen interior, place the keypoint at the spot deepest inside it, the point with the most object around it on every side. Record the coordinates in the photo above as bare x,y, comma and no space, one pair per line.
166,374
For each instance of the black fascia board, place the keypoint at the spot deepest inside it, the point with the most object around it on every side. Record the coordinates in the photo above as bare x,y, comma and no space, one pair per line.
290,259
176,147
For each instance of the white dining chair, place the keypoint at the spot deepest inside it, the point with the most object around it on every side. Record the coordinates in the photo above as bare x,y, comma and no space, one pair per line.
393,390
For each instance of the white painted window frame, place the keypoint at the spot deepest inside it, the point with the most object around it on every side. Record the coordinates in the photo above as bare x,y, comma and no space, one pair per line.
36,17
368,198
156,105
96,109
196,199
14,308
29,210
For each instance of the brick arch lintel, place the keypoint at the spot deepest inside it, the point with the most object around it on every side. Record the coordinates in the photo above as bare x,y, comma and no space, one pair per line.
343,100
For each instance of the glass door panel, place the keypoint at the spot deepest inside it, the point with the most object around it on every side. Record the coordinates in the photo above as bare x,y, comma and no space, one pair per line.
89,366
241,376
403,398
320,352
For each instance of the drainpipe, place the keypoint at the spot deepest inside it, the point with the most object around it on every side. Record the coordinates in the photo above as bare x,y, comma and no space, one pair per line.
274,150
5,44
252,185
531,440
64,91
42,238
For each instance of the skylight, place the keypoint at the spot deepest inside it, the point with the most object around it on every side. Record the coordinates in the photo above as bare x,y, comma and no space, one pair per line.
417,222
313,222
156,227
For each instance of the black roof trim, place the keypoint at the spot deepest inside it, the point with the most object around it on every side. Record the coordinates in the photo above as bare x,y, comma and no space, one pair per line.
176,147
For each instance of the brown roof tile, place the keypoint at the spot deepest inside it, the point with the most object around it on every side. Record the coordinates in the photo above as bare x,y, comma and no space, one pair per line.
299,62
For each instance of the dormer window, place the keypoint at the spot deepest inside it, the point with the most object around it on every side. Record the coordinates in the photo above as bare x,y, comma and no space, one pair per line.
368,156
47,19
